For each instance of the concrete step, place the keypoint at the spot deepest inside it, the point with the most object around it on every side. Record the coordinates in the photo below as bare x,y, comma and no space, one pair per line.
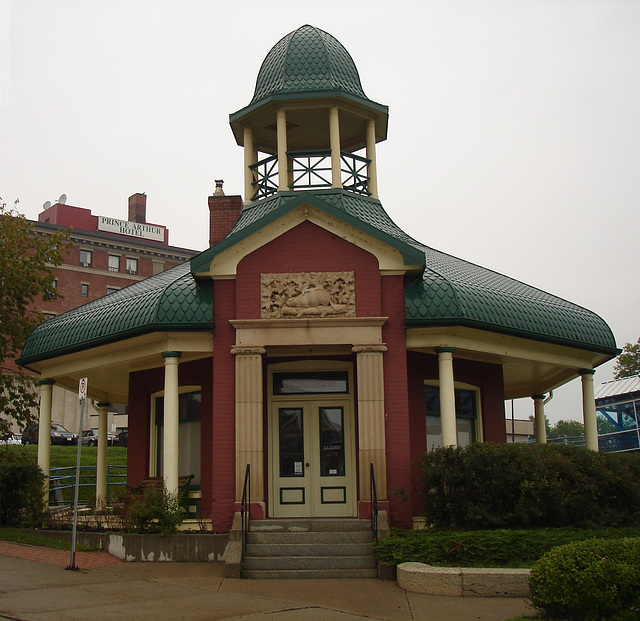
309,549
309,537
312,573
311,525
295,563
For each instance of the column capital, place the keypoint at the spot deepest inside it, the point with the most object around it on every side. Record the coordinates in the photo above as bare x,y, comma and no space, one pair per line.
171,354
537,397
444,350
368,349
46,382
103,404
239,350
585,372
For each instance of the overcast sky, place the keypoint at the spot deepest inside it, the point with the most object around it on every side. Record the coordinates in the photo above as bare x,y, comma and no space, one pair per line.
514,130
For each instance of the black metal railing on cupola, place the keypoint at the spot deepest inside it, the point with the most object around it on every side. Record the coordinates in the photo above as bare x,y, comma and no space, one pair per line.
310,170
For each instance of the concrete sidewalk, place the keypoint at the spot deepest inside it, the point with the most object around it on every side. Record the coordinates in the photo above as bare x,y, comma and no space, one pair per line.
41,590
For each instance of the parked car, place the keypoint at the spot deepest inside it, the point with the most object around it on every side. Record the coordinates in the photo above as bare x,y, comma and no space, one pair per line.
122,437
59,435
10,439
90,438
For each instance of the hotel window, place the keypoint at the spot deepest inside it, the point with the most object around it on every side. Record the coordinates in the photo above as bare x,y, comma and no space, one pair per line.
84,290
132,266
85,258
111,290
114,263
468,419
158,266
48,316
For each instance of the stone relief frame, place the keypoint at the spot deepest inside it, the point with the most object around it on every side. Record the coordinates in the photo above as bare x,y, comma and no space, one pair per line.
307,295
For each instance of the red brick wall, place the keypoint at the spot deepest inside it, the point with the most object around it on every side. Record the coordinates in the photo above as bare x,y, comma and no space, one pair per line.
223,427
396,397
487,377
309,248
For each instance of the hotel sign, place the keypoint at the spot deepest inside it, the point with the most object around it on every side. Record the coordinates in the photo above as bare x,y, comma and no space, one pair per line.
133,229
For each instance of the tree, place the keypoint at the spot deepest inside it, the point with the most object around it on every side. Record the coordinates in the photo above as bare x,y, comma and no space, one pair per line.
566,429
26,258
628,362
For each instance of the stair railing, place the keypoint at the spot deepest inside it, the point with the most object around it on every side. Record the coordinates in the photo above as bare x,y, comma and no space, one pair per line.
374,503
245,508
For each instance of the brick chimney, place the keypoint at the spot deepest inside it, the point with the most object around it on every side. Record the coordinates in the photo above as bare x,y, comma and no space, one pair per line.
138,208
224,212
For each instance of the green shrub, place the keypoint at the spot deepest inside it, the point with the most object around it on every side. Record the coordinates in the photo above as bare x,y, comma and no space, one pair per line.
530,485
21,490
589,580
484,548
156,512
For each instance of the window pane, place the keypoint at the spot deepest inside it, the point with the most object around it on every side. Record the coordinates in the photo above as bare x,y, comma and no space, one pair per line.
291,442
132,266
309,383
114,263
331,442
85,258
466,431
84,291
434,433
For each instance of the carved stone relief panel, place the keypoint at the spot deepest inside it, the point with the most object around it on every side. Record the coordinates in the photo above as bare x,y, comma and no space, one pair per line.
308,294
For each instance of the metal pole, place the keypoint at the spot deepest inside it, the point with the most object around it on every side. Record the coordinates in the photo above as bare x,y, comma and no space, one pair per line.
82,395
513,424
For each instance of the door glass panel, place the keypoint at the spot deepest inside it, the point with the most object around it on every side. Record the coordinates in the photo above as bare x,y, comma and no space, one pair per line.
331,441
291,442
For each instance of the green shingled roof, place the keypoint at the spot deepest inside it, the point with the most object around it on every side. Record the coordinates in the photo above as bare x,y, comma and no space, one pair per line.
307,59
450,291
171,300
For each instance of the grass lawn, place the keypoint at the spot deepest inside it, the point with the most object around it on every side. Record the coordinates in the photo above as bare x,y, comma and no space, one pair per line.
26,538
65,456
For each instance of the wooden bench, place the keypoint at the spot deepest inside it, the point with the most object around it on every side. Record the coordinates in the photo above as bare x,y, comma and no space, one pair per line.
157,483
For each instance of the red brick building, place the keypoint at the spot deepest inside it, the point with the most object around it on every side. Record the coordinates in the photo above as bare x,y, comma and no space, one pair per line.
315,341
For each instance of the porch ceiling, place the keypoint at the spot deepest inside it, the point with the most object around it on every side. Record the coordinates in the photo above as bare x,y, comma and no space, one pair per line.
108,367
529,367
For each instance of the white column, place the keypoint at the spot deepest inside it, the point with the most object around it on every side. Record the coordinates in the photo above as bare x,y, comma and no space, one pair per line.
540,422
371,432
447,396
334,139
101,467
372,169
589,410
249,420
283,166
170,448
250,158
44,433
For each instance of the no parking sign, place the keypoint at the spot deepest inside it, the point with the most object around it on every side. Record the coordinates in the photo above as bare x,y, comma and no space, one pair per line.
82,389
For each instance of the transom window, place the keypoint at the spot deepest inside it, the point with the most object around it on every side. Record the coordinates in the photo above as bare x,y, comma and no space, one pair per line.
319,382
467,415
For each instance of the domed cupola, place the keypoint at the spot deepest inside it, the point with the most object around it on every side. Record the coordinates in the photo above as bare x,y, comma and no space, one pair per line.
310,116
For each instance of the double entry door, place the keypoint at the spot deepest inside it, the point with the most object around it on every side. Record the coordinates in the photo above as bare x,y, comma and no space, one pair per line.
312,458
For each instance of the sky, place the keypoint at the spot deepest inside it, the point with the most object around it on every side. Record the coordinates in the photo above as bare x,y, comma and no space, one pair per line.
513,143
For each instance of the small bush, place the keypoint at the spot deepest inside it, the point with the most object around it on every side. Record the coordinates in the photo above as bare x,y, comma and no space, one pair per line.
589,580
21,490
157,512
484,548
521,486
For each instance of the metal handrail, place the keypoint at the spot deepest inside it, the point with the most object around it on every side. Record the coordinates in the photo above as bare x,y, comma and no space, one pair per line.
64,478
374,503
245,508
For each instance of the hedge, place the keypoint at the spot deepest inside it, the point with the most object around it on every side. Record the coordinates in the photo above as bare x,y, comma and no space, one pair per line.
484,486
21,485
484,548
589,580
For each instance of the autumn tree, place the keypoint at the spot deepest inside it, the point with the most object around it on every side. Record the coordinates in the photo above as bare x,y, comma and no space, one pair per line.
628,362
26,258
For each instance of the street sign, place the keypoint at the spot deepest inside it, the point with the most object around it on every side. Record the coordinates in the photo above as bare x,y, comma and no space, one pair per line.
82,389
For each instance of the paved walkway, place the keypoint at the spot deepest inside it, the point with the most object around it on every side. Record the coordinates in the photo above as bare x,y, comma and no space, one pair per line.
34,586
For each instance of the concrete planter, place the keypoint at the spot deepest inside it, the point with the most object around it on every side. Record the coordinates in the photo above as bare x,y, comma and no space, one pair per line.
182,547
